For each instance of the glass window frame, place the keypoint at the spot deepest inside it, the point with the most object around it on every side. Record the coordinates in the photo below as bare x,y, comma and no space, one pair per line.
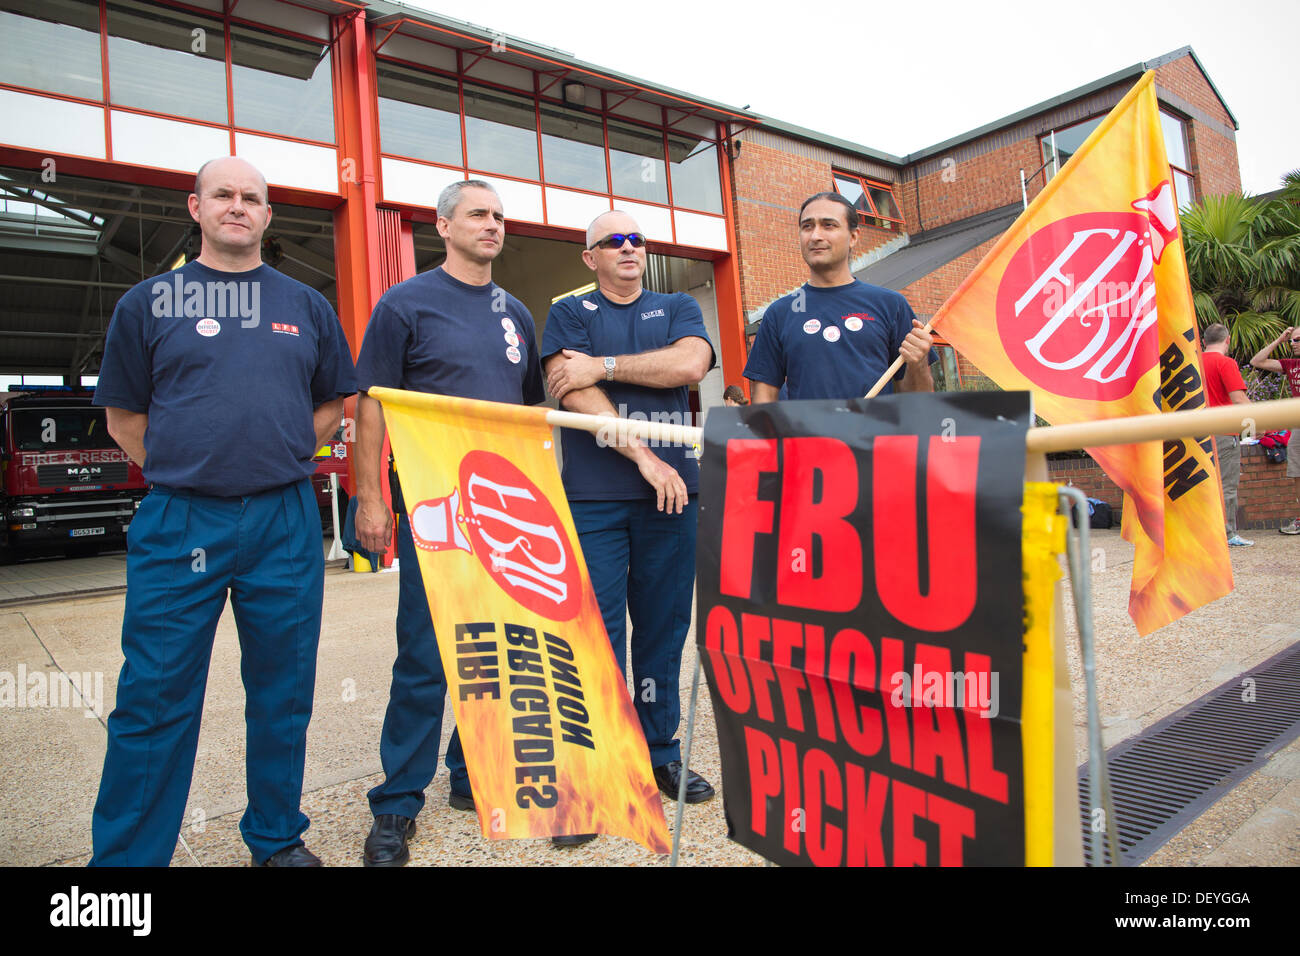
875,217
1045,149
541,100
227,20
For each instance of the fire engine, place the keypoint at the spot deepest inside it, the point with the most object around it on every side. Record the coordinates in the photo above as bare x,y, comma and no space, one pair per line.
64,483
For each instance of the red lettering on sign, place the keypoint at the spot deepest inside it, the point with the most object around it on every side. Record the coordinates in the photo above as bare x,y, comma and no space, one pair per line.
821,783
853,663
764,776
909,803
743,514
984,780
839,586
950,523
722,641
934,723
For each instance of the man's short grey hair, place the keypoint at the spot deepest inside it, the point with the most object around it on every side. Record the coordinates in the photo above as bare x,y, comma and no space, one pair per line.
449,198
1214,334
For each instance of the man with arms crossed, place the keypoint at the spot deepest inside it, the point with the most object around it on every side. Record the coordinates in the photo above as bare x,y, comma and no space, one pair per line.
449,331
1223,386
1291,368
835,336
620,350
221,380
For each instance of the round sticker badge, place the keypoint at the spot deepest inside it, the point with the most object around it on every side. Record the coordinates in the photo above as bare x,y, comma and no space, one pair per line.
512,339
812,326
853,323
832,333
207,327
507,325
512,353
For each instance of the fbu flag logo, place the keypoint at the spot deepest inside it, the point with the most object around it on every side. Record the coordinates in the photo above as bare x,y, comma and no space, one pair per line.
505,521
1077,303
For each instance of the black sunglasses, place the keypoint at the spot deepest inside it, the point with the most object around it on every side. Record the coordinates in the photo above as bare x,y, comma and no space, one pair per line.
617,239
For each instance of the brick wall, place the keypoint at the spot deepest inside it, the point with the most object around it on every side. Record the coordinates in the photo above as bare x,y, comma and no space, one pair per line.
770,185
1265,497
771,179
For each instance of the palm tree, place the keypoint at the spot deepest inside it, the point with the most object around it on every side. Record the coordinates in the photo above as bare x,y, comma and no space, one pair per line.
1243,259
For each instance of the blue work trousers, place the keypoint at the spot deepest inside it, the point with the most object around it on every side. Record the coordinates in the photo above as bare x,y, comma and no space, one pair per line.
412,734
642,565
185,552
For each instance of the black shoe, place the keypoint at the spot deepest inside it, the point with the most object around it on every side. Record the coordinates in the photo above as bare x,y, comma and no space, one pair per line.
386,844
669,778
461,801
293,856
573,839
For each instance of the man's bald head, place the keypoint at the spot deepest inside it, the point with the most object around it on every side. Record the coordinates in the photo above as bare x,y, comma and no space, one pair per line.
607,223
219,164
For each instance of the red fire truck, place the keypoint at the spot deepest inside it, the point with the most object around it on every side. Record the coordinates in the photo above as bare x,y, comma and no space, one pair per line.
64,483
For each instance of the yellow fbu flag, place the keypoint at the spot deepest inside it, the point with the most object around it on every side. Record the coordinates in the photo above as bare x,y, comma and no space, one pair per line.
551,738
1085,302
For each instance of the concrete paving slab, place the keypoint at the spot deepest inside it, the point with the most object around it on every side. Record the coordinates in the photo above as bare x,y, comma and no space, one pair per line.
46,812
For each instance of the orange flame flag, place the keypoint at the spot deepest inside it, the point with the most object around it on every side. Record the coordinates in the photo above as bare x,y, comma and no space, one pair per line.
550,735
1085,302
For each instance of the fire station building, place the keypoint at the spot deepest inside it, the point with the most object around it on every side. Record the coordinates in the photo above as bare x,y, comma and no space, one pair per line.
359,114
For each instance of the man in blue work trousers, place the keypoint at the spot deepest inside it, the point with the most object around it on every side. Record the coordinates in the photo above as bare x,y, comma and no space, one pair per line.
221,379
625,350
448,331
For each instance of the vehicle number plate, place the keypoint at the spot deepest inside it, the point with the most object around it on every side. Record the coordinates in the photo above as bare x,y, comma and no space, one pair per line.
85,532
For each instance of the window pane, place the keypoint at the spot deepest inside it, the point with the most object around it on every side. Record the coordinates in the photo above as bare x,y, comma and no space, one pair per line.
636,162
695,174
157,61
851,189
419,115
884,201
282,84
1183,190
1175,142
1069,140
501,133
573,150
51,45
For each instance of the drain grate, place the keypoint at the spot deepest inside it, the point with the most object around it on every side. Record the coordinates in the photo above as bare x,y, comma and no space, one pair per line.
1167,775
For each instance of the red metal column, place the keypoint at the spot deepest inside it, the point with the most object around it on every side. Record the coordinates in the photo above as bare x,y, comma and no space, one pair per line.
367,240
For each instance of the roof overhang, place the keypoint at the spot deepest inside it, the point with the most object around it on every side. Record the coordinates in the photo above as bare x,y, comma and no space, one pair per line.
554,67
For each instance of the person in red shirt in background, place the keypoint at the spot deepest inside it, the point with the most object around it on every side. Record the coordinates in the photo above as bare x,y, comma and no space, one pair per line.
1224,386
1291,368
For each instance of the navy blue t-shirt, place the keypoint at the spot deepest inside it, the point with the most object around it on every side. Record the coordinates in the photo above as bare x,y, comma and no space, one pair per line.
593,325
229,367
831,342
436,334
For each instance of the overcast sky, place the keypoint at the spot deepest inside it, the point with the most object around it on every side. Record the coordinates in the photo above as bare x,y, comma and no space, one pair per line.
905,75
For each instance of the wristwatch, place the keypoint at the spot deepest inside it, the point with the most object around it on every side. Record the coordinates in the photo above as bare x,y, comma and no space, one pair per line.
609,368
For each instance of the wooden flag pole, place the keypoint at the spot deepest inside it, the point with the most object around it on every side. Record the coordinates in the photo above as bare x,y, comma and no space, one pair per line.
1252,418
893,369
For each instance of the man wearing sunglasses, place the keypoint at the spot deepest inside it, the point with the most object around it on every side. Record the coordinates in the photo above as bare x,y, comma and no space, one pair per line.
835,336
1291,368
623,350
